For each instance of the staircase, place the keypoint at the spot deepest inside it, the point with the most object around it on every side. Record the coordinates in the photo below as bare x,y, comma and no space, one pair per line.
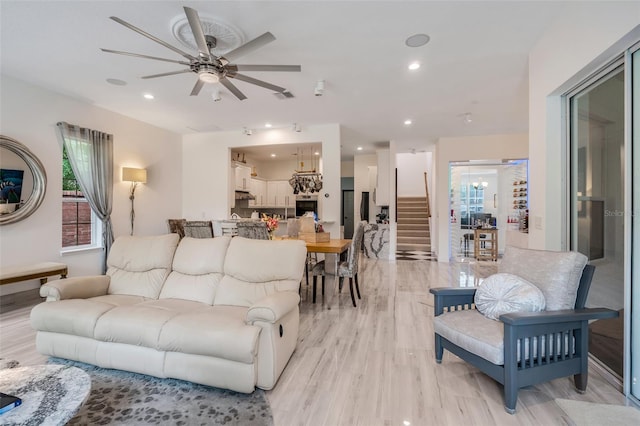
413,224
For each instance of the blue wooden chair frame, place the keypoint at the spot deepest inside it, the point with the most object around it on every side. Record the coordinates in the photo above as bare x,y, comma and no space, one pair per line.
566,343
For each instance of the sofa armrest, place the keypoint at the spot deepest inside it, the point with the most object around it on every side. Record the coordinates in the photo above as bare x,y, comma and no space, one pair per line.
445,297
76,288
548,317
273,307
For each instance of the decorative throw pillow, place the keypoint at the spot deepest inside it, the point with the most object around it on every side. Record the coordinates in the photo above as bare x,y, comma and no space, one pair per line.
504,293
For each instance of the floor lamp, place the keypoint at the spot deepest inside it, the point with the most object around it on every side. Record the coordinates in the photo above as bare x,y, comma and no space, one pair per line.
135,176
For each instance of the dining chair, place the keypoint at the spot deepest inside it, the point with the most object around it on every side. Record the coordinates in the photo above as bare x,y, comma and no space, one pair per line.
198,229
346,268
176,226
253,230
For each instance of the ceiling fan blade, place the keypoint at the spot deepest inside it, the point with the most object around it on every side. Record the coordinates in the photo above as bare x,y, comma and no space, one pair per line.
198,33
257,82
232,88
249,46
164,74
149,36
287,68
137,55
197,87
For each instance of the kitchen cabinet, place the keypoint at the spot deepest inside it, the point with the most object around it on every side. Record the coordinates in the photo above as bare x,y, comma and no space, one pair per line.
242,177
280,194
258,187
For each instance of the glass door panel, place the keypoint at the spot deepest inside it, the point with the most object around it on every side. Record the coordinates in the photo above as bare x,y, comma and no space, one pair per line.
597,205
635,265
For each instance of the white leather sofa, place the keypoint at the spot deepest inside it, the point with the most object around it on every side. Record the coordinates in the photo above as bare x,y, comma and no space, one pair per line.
218,311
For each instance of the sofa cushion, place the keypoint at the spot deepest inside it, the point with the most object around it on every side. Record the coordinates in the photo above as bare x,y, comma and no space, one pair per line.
198,266
557,274
149,318
255,269
218,331
71,316
504,293
139,265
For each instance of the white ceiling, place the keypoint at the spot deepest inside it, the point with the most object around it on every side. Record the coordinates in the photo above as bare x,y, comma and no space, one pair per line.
476,62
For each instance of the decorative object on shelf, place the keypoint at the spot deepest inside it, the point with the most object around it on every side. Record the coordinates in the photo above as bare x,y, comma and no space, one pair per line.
272,224
304,181
135,176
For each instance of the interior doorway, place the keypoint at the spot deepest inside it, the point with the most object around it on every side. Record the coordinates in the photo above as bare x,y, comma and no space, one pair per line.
348,218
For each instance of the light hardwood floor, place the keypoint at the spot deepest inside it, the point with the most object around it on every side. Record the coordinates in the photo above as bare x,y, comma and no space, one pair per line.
374,364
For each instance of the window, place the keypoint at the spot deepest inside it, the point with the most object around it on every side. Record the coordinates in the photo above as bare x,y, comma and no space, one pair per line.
78,221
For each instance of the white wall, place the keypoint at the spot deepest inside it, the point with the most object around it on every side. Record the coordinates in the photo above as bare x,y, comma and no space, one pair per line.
361,165
411,169
564,56
206,158
29,114
489,147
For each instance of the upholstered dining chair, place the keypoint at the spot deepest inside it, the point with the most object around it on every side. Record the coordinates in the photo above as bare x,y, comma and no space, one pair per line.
525,325
176,226
253,230
198,229
346,268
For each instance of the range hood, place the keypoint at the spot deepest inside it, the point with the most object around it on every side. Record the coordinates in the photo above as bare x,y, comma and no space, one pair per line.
244,195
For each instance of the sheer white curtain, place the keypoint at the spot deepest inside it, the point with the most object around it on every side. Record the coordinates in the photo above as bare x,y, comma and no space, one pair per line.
90,153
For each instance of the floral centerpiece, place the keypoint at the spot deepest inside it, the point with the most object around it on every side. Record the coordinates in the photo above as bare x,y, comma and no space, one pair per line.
271,222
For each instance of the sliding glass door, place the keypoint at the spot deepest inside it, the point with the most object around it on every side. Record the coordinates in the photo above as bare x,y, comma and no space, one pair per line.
597,144
635,217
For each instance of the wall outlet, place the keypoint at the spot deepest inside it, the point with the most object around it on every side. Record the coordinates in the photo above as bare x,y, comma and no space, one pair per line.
537,222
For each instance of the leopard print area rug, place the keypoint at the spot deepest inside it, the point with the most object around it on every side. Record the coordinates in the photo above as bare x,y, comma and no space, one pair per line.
124,398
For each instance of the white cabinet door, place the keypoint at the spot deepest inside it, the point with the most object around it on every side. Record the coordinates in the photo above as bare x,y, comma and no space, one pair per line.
258,188
272,193
243,178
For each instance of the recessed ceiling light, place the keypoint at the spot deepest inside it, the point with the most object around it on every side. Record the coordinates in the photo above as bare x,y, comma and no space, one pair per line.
414,66
359,148
417,40
116,82
407,122
148,96
316,153
267,125
273,155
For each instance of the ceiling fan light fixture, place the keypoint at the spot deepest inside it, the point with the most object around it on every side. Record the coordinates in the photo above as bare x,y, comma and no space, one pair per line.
208,77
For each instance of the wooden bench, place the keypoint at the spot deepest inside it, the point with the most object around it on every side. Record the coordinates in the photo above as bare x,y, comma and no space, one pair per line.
42,270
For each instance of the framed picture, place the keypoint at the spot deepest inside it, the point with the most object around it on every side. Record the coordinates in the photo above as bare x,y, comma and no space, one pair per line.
11,185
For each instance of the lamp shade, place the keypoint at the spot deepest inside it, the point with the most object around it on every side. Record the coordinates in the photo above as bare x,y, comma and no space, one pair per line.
130,174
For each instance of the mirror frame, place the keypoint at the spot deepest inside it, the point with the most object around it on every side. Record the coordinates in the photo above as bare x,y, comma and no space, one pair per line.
39,181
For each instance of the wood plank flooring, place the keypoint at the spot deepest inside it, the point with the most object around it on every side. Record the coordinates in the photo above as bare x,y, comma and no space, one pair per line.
374,364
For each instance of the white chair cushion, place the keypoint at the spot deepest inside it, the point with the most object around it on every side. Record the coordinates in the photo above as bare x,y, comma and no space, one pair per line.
557,274
505,293
484,337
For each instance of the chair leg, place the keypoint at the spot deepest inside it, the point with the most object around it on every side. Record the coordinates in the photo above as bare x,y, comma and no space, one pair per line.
439,349
340,280
353,299
580,381
323,285
315,281
357,287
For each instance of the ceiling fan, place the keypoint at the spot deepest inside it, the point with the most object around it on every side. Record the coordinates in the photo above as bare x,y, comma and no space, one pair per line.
211,68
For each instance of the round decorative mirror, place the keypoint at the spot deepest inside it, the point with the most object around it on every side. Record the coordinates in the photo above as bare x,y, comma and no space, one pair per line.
23,181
